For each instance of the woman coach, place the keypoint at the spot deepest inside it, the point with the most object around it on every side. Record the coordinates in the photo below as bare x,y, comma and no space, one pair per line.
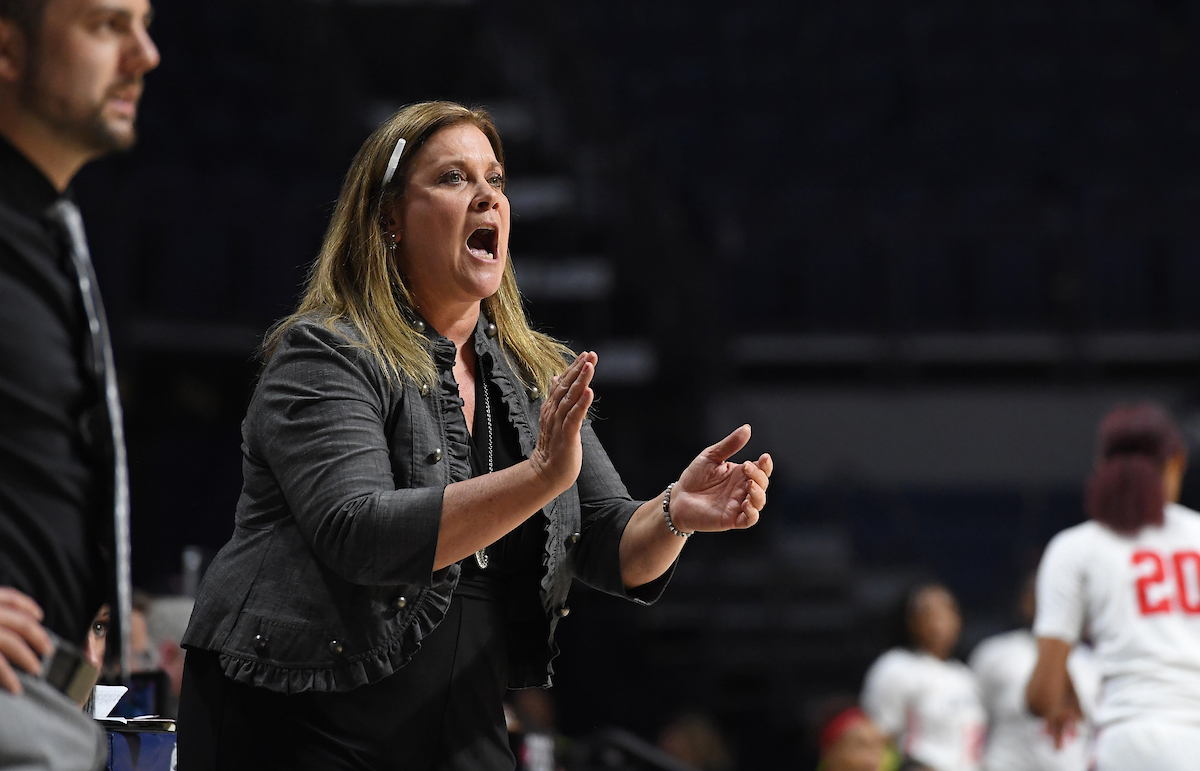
420,487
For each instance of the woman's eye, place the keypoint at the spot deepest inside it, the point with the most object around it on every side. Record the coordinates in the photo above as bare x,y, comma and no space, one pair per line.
497,180
454,177
99,630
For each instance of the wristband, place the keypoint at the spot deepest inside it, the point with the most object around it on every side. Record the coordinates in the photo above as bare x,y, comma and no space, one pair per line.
667,514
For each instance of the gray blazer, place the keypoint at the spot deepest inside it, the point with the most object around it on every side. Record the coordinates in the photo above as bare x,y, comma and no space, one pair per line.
328,581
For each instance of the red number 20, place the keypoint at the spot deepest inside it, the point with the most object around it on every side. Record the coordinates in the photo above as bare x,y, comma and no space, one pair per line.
1189,604
1156,576
1188,591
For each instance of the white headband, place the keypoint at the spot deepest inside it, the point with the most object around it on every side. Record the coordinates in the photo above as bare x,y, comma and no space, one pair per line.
393,162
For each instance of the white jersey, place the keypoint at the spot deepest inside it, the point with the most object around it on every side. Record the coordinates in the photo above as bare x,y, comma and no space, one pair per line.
1145,745
1138,597
1017,740
931,706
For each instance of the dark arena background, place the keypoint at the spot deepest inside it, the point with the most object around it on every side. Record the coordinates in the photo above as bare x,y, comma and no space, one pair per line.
920,246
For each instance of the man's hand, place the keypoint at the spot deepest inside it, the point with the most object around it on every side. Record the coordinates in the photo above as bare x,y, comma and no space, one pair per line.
23,641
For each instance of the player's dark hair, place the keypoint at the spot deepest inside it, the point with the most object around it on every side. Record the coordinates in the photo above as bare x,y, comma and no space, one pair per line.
900,613
27,14
1125,493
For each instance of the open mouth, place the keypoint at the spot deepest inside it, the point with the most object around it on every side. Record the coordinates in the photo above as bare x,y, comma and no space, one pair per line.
482,243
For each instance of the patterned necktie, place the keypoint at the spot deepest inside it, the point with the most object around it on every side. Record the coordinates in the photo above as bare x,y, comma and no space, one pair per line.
66,214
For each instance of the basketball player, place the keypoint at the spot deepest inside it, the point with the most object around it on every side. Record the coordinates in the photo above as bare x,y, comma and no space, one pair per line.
1131,576
925,700
1017,740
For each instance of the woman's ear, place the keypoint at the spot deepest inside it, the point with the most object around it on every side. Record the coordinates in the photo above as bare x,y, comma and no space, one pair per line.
391,224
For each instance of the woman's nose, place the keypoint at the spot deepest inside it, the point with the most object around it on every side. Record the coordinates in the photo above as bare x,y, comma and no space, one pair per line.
488,197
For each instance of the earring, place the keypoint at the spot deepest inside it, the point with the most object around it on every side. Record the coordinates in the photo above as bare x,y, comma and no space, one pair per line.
392,245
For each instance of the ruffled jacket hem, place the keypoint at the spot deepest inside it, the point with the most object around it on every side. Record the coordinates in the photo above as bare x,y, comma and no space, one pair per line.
363,669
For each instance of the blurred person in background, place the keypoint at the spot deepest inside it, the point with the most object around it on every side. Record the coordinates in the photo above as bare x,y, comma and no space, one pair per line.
150,691
71,75
166,621
925,700
143,654
696,740
97,639
1017,739
532,722
421,485
1130,578
850,741
534,710
94,651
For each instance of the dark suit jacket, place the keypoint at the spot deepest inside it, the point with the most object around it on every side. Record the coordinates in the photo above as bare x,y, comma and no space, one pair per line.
338,520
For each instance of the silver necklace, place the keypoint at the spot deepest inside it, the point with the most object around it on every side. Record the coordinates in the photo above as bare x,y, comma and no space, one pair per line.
481,556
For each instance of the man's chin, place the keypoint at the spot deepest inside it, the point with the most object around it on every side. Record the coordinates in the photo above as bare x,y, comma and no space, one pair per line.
113,135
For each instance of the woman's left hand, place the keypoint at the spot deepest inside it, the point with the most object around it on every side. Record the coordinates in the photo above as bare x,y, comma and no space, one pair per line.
714,494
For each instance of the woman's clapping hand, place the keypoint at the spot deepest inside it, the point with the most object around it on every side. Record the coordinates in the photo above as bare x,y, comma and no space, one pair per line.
714,494
558,455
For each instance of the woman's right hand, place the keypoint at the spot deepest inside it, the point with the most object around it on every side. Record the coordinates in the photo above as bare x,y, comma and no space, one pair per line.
558,455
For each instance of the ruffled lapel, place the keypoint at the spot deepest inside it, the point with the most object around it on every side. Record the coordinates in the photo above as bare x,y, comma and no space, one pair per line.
499,371
458,437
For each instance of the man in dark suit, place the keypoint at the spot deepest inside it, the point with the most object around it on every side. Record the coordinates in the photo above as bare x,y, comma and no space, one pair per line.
70,80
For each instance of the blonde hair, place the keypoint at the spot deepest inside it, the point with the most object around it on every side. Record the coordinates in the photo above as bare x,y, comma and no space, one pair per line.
355,278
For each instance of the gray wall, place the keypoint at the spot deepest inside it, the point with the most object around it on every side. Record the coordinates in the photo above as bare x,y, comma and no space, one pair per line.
931,437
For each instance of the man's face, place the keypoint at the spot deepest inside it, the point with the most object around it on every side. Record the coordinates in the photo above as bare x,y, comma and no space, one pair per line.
83,73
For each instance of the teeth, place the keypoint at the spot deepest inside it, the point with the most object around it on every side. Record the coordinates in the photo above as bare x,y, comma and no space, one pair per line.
486,237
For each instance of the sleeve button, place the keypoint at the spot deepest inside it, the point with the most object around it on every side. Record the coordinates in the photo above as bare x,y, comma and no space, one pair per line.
572,539
260,643
564,611
436,455
400,602
336,647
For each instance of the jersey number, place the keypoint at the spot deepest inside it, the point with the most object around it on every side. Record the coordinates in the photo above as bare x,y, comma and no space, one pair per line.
1153,593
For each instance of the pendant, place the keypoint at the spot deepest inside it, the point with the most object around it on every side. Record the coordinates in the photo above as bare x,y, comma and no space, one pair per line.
481,558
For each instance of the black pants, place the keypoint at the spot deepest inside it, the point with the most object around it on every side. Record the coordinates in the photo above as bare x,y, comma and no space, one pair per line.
443,711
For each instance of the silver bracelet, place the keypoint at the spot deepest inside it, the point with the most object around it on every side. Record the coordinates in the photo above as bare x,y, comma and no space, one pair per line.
667,514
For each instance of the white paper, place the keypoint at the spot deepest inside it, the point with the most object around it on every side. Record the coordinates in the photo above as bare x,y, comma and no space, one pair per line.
107,697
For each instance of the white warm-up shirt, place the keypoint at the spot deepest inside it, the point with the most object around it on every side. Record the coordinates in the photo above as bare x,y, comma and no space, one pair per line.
1017,739
1139,599
931,706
